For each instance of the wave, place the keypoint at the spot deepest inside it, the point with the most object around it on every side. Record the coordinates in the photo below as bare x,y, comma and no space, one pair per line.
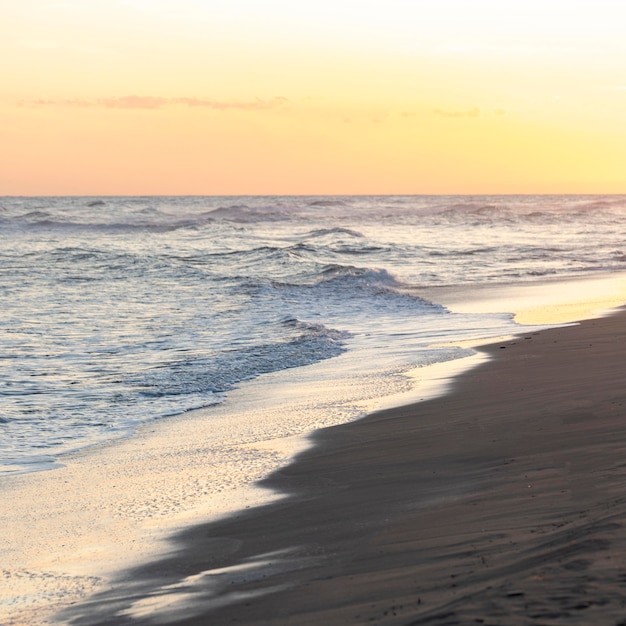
476,213
45,222
347,285
116,219
242,213
141,214
602,203
217,375
358,250
472,207
272,256
304,250
536,209
362,277
322,232
36,215
328,203
75,254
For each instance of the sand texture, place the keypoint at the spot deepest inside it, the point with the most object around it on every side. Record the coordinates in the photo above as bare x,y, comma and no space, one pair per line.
503,502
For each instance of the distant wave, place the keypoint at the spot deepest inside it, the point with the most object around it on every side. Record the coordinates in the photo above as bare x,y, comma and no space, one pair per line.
478,212
618,202
541,209
339,240
245,214
328,202
36,215
322,232
42,221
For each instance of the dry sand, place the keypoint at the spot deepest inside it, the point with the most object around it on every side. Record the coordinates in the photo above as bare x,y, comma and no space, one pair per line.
503,502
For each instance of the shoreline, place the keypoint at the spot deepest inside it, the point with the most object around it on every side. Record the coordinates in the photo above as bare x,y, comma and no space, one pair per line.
499,502
115,505
550,301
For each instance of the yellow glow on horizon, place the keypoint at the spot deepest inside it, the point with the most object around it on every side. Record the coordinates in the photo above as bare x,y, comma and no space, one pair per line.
244,97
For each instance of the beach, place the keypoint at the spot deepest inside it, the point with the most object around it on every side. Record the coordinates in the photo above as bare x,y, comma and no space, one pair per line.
313,313
501,502
354,439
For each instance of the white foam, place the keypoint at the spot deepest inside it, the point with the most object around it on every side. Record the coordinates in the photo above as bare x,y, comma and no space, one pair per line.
113,506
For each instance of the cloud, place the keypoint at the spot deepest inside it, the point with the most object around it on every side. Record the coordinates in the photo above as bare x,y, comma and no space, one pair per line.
253,105
475,112
131,102
157,102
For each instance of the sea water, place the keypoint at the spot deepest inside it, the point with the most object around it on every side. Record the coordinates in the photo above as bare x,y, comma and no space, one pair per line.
120,310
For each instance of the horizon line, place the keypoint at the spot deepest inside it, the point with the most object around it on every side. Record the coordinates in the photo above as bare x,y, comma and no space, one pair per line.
304,195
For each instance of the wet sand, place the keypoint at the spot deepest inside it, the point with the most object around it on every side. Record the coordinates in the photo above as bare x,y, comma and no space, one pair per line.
503,502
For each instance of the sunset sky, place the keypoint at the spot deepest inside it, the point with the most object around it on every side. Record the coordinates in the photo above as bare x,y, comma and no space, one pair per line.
312,97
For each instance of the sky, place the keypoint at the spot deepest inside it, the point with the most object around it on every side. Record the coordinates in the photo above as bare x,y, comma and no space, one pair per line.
243,97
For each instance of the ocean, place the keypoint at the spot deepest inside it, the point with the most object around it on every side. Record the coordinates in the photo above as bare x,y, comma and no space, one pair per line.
117,311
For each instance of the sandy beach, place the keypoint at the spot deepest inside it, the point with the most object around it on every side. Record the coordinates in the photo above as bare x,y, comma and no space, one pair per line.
313,313
499,503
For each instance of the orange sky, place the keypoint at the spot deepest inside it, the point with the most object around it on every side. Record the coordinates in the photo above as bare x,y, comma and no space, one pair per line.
312,97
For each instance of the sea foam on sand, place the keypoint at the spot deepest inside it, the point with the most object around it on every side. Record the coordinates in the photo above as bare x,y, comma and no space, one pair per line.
68,530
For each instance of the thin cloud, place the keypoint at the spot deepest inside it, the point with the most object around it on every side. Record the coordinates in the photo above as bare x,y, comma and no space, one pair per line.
475,112
253,105
156,102
132,102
